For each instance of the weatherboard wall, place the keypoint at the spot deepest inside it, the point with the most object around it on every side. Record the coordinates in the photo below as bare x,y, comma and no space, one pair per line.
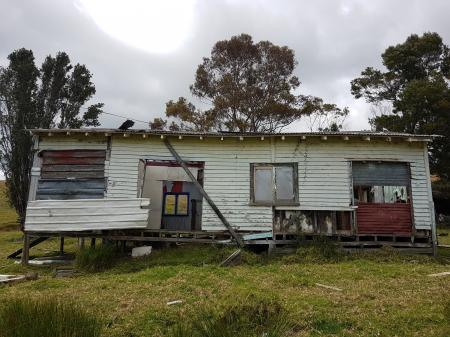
324,172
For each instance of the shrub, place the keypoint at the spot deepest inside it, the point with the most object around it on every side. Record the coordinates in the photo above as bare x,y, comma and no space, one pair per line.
320,249
251,318
98,258
46,317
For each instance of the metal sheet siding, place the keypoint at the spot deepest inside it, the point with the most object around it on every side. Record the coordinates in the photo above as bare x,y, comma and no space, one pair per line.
384,218
81,214
324,172
380,174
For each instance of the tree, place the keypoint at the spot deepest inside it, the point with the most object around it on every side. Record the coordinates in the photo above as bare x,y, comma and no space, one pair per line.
247,87
52,96
416,85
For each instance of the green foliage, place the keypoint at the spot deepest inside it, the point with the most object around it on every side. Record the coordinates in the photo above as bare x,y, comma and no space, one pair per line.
253,317
249,87
99,258
51,96
47,317
415,84
8,217
320,249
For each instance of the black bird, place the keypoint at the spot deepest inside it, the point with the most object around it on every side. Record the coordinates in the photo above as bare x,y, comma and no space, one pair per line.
126,125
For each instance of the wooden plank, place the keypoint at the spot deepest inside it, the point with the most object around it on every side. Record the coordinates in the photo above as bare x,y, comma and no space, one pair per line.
74,160
94,174
72,168
73,153
204,194
32,244
64,184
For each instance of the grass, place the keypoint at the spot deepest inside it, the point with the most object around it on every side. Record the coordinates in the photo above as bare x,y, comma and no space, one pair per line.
384,294
251,317
47,317
8,217
95,259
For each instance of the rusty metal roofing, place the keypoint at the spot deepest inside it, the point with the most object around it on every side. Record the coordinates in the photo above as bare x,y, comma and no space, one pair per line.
234,134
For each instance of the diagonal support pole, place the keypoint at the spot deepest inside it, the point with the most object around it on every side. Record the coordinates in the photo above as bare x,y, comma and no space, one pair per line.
180,161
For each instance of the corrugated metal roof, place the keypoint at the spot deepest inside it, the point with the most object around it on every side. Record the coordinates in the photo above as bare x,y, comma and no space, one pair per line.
234,134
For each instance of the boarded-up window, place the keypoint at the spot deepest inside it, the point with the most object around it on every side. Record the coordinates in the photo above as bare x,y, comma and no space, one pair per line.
274,184
72,174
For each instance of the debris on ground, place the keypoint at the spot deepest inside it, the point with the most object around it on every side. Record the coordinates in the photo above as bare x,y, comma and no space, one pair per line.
64,272
10,279
141,251
445,273
233,259
328,287
174,302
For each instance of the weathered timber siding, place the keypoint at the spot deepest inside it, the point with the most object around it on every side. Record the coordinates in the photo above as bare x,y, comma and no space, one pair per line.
324,172
92,214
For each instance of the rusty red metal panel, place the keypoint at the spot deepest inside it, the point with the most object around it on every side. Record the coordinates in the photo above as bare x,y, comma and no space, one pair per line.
375,218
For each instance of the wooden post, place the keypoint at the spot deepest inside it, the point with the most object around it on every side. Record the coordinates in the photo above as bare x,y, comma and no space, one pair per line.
92,242
81,243
26,249
211,203
61,246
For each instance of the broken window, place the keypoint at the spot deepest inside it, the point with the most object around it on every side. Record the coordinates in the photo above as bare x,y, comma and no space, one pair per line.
380,182
274,184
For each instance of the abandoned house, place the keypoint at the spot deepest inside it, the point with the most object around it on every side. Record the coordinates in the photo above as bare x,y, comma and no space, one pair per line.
157,185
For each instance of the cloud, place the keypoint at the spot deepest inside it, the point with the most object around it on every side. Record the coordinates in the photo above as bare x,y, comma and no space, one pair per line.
333,42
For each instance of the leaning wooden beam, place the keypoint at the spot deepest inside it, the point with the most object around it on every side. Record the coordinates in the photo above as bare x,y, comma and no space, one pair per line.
32,244
180,161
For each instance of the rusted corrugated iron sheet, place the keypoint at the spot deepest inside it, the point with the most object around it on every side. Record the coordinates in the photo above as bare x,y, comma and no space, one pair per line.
384,218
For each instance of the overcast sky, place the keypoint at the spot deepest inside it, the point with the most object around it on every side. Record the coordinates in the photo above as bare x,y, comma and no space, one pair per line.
143,53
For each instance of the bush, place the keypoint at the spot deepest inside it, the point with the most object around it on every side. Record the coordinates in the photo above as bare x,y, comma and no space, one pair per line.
252,318
98,258
46,317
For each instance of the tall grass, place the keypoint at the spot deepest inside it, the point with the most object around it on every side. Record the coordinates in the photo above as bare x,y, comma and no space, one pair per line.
320,249
98,258
46,318
255,317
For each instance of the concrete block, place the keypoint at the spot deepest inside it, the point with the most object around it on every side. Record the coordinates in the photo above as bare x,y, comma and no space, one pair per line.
141,251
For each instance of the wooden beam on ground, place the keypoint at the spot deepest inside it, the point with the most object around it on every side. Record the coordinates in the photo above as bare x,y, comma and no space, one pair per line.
180,161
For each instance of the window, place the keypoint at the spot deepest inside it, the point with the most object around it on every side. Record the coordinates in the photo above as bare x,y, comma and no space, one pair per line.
381,182
274,184
176,204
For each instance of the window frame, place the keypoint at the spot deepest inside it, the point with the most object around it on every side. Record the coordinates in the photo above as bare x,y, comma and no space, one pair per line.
274,202
176,194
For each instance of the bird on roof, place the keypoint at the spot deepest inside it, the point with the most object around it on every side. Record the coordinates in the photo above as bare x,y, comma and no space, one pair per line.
126,125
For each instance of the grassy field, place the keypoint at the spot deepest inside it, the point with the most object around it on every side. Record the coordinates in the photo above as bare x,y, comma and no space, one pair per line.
383,294
8,217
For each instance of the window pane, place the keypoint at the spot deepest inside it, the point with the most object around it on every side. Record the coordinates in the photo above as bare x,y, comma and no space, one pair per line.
182,206
263,184
169,204
395,194
284,177
376,194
